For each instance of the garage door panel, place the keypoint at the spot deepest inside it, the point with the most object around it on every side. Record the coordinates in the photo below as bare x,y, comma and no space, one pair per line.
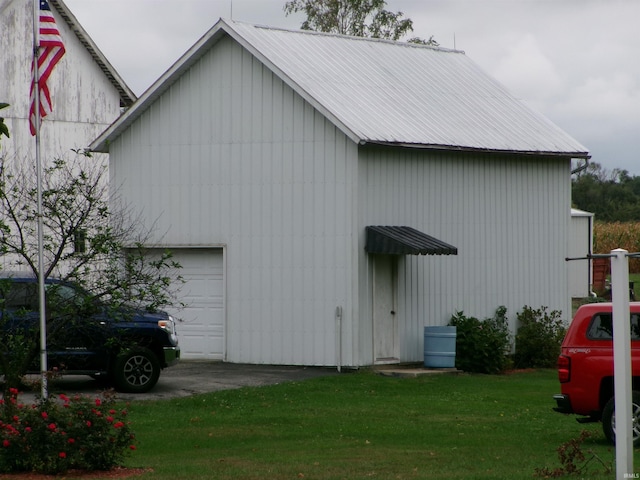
206,318
202,287
209,345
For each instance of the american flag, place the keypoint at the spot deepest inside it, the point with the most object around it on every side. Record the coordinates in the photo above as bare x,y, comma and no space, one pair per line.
50,51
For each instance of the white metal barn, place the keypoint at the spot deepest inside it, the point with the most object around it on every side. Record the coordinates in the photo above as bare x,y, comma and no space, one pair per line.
87,91
264,156
580,245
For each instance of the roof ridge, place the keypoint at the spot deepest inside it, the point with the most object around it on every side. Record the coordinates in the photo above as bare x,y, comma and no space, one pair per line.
346,37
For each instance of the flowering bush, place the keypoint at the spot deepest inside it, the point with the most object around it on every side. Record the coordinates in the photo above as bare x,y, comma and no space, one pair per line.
63,433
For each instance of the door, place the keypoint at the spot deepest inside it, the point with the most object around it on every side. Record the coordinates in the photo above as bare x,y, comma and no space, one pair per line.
385,320
201,322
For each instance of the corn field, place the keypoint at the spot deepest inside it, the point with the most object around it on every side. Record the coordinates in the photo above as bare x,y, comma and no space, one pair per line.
609,236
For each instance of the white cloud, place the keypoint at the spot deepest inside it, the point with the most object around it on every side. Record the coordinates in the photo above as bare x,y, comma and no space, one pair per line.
611,97
527,69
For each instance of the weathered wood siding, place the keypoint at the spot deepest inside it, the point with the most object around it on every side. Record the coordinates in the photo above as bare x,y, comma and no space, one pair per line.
508,216
84,100
230,155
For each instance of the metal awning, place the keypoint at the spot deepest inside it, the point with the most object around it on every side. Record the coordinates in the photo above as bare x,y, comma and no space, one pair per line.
404,241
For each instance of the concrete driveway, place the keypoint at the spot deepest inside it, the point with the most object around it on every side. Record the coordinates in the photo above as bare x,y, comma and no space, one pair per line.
192,377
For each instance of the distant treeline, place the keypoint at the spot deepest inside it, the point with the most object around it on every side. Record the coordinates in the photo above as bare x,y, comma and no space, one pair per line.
612,196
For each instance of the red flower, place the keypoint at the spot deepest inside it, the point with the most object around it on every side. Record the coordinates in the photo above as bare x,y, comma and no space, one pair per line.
98,402
16,418
13,391
110,419
118,425
132,447
28,429
71,440
62,455
5,443
89,423
44,415
52,426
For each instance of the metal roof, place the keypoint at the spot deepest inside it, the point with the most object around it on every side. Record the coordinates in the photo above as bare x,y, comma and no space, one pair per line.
575,212
127,97
384,92
404,241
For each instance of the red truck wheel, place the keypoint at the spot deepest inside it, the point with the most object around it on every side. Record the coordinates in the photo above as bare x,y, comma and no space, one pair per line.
609,419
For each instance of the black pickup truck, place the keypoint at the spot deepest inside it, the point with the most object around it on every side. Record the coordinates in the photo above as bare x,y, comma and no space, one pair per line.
125,347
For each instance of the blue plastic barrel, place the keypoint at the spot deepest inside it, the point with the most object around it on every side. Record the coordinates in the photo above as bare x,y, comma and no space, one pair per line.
440,347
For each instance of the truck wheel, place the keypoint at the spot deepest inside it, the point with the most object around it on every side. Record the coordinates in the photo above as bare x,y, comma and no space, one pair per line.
136,371
609,419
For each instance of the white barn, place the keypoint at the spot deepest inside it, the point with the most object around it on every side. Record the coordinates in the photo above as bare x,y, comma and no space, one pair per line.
263,155
88,94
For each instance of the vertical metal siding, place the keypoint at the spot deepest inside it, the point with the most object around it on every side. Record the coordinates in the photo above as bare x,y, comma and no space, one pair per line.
230,155
508,216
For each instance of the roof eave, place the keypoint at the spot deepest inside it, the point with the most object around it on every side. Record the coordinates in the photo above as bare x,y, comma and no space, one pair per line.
127,97
222,27
457,148
162,84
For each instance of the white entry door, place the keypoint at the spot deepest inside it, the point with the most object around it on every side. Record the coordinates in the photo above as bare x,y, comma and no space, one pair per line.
385,322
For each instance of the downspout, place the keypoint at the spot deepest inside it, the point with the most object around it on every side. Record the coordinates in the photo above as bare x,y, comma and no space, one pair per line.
339,338
581,167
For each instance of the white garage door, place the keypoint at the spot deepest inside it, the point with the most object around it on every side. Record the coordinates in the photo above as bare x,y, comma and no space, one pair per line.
201,325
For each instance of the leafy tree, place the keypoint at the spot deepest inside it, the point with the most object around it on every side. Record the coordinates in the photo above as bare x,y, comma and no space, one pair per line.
86,241
360,18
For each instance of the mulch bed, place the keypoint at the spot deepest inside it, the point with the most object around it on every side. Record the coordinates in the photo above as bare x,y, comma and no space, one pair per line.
118,472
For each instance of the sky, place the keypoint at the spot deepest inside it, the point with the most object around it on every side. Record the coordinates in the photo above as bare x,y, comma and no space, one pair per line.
575,61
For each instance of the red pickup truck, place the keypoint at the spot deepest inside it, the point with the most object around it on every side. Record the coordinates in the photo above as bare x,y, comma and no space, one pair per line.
585,368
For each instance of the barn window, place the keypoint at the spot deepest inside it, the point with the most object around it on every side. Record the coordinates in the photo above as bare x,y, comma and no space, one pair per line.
80,241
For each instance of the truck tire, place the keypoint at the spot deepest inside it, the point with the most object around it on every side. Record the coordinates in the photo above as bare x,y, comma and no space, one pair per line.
609,419
136,371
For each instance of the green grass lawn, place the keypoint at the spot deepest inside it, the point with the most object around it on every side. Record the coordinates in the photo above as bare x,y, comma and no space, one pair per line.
363,425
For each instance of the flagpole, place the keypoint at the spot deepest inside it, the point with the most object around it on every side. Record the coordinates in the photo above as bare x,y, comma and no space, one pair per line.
41,291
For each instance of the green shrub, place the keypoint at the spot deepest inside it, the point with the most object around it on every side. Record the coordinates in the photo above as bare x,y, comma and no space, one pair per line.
482,346
56,435
539,336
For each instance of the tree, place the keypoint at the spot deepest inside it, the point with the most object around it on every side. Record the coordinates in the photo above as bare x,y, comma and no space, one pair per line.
90,238
613,196
360,18
4,130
